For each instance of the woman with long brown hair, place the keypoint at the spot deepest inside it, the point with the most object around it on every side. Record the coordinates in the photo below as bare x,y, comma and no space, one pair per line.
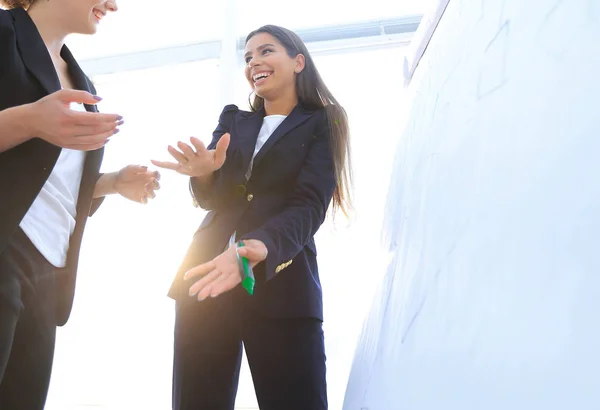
267,179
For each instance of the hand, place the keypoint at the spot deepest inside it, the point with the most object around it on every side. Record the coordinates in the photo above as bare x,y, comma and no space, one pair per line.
222,273
53,121
137,183
198,163
253,250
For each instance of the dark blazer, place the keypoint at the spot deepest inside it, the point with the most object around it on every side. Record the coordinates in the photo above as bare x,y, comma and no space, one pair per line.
26,75
283,204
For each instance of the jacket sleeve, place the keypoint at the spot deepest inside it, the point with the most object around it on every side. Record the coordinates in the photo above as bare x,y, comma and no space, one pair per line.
214,194
287,233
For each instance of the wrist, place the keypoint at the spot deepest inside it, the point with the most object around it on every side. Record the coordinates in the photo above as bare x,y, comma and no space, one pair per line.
106,185
25,121
112,179
204,179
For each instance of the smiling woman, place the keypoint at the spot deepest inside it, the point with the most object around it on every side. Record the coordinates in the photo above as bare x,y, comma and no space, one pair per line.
288,158
51,150
70,13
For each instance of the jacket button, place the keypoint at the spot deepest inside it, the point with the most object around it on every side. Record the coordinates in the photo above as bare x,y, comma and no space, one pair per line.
250,197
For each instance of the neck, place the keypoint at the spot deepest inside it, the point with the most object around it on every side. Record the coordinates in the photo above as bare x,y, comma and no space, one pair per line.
50,26
282,105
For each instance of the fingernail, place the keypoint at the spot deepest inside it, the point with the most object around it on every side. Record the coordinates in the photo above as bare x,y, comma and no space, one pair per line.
145,168
116,131
119,118
120,123
97,98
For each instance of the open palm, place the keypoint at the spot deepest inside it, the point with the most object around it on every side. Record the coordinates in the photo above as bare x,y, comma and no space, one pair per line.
196,160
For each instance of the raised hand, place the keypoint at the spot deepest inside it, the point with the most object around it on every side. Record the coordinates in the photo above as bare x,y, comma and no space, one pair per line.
196,160
52,120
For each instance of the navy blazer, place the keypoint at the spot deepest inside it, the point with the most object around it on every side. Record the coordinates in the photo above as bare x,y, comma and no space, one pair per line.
27,74
283,204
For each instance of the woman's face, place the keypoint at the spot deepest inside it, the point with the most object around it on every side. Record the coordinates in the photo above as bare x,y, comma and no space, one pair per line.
269,68
83,16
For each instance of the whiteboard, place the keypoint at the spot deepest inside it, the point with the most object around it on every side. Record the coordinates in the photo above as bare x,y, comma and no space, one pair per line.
491,300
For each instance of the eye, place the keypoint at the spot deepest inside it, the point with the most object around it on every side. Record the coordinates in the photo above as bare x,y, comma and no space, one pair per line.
247,60
267,50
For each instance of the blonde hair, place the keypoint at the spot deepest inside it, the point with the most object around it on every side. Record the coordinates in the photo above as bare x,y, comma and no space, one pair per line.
13,4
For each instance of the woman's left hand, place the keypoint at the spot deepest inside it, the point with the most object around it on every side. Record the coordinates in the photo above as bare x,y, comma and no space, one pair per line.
137,183
222,273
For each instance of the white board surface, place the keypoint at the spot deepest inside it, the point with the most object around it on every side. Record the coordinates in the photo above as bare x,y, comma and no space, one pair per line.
492,299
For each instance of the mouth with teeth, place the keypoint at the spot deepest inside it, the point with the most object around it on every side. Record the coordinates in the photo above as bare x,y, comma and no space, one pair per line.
260,78
98,14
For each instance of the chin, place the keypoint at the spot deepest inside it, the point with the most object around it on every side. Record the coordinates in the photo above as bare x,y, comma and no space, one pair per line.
92,30
262,93
88,29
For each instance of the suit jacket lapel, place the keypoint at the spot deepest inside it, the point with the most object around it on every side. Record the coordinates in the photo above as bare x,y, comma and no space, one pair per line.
298,116
37,60
80,80
34,52
93,158
247,129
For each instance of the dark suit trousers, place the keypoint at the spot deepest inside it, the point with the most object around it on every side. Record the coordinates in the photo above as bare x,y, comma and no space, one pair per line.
286,357
27,325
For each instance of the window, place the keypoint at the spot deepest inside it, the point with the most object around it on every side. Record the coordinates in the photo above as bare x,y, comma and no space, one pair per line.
351,262
141,25
315,13
116,350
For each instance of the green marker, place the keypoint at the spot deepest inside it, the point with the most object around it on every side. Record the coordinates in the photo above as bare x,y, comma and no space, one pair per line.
245,270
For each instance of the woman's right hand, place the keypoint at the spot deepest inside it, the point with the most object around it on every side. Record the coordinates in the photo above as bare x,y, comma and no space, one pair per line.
52,120
196,161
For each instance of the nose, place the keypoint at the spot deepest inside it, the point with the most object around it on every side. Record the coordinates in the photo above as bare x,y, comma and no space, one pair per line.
111,5
254,62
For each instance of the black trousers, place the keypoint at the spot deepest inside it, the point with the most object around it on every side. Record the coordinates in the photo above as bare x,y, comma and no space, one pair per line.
286,357
27,325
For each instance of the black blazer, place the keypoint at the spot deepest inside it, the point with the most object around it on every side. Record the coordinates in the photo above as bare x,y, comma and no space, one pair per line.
26,75
283,204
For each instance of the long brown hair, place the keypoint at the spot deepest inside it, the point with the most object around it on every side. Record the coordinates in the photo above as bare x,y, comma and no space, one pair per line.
314,94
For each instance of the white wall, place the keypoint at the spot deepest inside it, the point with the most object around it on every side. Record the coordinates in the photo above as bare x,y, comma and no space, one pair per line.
491,301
